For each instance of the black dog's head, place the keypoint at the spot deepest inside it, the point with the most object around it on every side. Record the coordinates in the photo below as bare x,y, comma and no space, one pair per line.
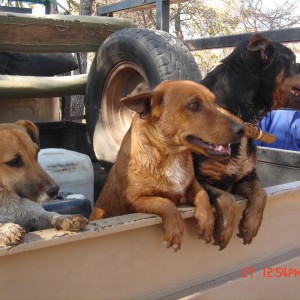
256,77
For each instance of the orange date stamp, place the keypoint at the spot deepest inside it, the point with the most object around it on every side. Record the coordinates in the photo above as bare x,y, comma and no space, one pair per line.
272,272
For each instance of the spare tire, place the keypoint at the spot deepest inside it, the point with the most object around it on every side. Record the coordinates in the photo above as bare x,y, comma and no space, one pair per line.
127,59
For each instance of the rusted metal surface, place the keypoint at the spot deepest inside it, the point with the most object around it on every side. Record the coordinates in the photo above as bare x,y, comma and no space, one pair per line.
56,33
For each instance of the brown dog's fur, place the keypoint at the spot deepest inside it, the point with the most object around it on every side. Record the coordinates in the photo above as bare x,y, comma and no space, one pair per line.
23,182
154,171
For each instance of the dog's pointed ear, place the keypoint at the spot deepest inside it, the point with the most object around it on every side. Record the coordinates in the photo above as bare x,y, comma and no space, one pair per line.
142,103
259,43
31,129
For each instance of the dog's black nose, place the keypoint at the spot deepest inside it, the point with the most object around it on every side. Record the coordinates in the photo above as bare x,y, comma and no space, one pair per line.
239,129
52,190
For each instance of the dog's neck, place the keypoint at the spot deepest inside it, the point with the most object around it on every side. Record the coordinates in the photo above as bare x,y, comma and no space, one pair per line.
153,152
8,198
145,136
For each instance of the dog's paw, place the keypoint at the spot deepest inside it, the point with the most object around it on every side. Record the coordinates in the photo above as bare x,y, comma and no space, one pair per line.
222,233
11,234
249,227
204,216
70,222
173,229
204,224
225,220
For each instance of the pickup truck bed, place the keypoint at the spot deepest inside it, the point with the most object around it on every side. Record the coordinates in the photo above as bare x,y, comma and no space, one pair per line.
124,257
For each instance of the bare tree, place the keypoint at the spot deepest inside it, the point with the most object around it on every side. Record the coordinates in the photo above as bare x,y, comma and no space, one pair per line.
86,9
201,18
257,16
74,6
77,101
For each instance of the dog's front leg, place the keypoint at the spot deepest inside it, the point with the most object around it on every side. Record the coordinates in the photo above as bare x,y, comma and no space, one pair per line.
172,223
225,206
204,215
44,219
251,189
68,222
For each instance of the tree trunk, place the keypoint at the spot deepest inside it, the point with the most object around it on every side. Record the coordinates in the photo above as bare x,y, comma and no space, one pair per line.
177,21
86,9
77,101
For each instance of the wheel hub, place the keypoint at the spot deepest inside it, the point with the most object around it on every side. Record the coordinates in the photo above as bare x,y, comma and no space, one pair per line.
124,79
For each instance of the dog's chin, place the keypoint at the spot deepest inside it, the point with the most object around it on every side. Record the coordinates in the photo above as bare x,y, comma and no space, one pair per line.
43,198
210,150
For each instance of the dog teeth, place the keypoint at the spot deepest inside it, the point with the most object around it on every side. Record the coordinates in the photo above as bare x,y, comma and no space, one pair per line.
222,148
219,148
295,92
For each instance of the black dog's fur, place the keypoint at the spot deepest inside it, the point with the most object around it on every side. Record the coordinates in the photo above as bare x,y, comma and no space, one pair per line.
256,77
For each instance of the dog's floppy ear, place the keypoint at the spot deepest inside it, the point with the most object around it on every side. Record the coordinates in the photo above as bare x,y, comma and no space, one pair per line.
259,43
142,103
31,129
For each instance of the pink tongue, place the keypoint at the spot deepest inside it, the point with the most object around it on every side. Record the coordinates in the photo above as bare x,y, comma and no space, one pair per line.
223,149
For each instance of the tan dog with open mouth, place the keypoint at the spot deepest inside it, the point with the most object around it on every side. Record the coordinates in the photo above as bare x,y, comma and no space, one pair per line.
154,170
24,185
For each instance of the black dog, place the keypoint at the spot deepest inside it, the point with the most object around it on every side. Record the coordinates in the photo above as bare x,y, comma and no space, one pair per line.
256,77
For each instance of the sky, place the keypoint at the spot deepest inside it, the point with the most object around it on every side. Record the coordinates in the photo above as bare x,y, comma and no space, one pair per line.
40,9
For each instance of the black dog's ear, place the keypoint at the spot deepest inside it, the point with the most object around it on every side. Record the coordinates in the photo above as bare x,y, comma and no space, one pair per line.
142,103
259,43
31,129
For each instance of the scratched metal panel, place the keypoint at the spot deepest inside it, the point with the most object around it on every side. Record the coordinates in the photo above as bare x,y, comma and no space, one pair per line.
277,166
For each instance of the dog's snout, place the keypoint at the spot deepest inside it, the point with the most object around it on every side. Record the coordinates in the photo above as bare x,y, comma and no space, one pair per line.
52,190
239,129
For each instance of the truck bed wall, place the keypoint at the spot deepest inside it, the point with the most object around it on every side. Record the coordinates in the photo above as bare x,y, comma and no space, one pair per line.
124,258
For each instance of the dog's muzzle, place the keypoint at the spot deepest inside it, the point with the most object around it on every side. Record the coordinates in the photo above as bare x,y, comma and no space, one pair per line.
211,149
50,193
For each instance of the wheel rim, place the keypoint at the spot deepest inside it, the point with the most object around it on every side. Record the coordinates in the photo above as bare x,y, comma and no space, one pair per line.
122,80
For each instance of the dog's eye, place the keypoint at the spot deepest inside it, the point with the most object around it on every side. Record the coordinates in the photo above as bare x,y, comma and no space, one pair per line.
15,163
195,106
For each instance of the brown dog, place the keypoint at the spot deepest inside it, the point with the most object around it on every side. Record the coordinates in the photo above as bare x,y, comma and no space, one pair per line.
22,181
154,169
